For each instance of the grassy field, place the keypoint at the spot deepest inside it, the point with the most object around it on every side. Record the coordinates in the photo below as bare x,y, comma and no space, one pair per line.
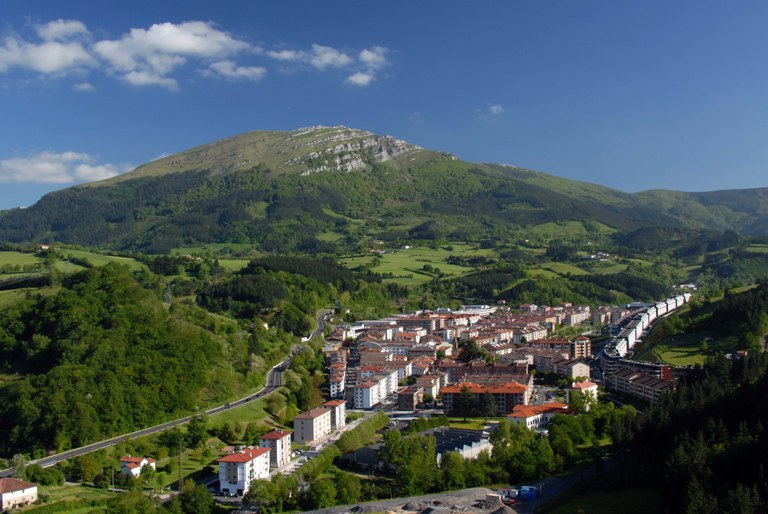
98,259
625,501
233,264
568,230
216,249
406,265
562,268
18,258
606,267
69,493
757,248
691,348
8,298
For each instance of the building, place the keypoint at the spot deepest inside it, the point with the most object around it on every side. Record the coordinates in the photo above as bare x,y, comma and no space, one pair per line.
506,395
279,444
585,387
132,466
15,493
312,426
366,395
239,469
537,417
409,397
338,410
638,384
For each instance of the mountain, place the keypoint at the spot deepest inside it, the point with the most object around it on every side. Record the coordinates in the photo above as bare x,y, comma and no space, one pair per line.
326,189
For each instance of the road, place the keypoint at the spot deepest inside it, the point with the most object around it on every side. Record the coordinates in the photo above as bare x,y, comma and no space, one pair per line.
273,382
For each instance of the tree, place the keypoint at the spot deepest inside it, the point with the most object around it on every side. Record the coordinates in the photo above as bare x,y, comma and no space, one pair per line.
349,488
452,467
86,468
469,350
195,499
414,459
465,403
19,464
488,407
321,494
196,431
147,474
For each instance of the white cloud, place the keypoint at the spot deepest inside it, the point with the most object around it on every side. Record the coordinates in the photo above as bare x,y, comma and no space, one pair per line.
496,109
154,56
150,78
375,57
148,57
61,29
286,55
323,57
360,79
48,57
230,70
57,168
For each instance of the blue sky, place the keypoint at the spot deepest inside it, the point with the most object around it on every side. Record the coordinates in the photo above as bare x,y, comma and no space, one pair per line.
632,95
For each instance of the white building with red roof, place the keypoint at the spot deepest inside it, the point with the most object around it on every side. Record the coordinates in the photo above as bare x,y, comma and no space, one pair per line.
279,444
239,469
15,493
537,417
585,387
132,466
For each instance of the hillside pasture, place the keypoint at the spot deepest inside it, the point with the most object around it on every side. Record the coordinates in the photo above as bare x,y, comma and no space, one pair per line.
237,249
687,349
10,297
233,264
570,230
407,264
19,259
560,268
97,259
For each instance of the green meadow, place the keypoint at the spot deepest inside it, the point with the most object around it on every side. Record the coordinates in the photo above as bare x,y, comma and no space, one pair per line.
407,264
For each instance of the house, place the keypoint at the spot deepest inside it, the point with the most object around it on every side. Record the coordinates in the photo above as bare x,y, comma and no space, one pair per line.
132,466
279,444
312,426
536,417
585,387
15,492
239,469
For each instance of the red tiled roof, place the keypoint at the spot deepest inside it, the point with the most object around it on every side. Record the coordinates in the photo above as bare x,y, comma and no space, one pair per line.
527,411
9,485
334,403
274,435
586,384
136,460
508,388
244,455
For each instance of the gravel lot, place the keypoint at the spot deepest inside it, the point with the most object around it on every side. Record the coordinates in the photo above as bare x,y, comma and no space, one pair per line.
464,501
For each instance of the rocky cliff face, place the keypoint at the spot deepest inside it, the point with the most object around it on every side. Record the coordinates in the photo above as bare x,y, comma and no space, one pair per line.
354,149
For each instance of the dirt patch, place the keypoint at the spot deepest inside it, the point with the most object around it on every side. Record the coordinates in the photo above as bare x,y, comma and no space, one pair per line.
465,501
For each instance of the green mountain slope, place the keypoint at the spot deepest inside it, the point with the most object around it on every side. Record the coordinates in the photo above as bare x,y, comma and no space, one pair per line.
327,189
